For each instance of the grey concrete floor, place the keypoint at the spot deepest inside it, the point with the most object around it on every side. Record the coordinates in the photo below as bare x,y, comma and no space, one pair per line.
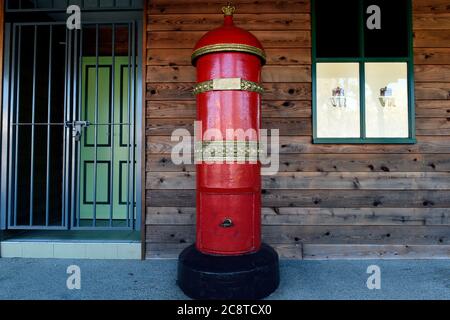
300,280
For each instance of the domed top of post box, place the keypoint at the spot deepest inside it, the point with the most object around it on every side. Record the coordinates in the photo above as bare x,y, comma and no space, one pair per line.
228,38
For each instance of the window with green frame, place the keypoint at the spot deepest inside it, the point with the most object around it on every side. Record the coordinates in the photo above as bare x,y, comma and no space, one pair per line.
363,73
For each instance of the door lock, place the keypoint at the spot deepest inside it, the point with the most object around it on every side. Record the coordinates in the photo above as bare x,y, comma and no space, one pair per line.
227,223
77,128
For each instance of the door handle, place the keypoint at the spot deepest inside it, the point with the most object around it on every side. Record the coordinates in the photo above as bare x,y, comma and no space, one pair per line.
77,128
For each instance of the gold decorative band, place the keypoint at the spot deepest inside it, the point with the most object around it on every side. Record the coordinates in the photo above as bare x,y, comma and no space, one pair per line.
226,151
232,47
227,84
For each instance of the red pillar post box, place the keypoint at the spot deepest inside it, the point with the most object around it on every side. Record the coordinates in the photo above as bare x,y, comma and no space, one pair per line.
228,260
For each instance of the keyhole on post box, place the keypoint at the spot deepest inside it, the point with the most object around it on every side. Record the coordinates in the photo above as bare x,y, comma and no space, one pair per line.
227,223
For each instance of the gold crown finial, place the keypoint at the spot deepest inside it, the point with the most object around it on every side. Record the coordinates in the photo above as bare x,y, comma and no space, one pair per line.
229,9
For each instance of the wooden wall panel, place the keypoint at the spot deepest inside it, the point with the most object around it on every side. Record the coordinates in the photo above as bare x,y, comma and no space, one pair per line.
429,21
430,6
270,109
267,22
432,38
213,6
328,201
433,108
414,235
300,73
320,198
317,216
269,39
292,126
303,144
431,56
319,181
281,56
432,73
332,162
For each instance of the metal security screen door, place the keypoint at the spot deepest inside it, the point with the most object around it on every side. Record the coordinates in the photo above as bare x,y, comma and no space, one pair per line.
73,108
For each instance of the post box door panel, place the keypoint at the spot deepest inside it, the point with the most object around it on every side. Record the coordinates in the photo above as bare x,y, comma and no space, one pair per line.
228,222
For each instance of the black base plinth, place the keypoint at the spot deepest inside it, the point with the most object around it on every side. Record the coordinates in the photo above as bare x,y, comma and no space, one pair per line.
246,277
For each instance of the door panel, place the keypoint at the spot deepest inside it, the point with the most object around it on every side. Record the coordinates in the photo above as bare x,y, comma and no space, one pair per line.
240,210
105,151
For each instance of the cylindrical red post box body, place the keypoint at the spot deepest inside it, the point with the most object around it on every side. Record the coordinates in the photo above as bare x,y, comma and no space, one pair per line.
228,260
228,90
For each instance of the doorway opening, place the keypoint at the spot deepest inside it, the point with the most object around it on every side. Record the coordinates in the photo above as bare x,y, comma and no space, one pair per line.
72,102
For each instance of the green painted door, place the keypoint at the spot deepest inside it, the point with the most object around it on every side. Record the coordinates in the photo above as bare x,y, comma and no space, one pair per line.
106,170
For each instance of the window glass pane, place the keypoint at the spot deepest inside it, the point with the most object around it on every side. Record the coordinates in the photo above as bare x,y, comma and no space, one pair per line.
337,28
338,112
392,39
386,100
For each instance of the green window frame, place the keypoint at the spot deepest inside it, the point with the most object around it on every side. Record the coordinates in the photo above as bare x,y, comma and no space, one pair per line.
362,60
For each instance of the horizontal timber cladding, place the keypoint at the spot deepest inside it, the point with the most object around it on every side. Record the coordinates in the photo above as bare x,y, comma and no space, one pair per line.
320,181
269,74
194,22
412,235
271,39
302,144
321,198
182,57
283,109
317,216
290,126
320,162
213,6
328,201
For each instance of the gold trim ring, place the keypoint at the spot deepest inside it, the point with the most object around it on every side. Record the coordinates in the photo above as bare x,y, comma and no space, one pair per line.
232,47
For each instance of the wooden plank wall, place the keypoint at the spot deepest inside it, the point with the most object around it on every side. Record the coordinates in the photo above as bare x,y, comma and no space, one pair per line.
328,201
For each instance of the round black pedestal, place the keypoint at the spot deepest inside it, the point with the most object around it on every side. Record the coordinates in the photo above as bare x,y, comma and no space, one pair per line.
246,277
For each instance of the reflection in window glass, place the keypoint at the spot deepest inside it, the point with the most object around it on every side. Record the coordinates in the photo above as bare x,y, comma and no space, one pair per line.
337,28
338,111
392,39
386,100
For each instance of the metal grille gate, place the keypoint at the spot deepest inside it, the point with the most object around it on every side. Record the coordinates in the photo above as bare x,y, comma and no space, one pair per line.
70,117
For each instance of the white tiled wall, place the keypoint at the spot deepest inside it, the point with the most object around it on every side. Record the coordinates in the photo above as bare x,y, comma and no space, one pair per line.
70,250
